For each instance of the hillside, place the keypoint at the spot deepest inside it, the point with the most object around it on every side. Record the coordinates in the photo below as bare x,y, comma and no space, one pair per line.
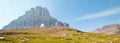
109,29
54,35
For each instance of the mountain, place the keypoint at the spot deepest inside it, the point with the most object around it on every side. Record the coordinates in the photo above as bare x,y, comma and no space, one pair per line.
109,29
35,17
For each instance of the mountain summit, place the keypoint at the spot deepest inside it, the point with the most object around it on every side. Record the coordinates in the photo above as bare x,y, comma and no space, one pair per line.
35,17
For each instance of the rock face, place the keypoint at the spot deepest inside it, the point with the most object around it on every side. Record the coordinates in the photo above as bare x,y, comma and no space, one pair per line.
34,18
109,29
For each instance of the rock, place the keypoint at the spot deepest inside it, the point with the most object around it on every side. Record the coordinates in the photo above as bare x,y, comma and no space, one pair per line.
1,38
68,38
109,29
35,17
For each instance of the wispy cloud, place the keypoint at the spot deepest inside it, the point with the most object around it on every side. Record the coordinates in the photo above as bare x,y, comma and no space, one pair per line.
99,14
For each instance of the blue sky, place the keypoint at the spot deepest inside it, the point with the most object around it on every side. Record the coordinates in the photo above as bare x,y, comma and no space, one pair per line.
85,15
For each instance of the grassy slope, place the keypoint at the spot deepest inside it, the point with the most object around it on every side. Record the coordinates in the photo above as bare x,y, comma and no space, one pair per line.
55,35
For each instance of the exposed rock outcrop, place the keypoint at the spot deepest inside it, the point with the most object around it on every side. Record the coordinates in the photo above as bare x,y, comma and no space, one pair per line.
109,29
34,18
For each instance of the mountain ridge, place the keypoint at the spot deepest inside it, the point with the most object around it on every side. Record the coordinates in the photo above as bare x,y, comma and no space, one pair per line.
109,29
34,18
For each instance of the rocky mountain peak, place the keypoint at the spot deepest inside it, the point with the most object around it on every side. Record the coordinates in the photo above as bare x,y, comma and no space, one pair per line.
34,18
39,11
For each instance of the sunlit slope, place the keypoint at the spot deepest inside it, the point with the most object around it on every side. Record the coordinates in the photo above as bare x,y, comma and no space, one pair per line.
54,35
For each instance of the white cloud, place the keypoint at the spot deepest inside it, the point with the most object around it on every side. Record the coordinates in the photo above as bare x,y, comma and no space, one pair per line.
100,14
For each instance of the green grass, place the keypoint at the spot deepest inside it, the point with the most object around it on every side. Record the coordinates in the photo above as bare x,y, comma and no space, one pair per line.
73,36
